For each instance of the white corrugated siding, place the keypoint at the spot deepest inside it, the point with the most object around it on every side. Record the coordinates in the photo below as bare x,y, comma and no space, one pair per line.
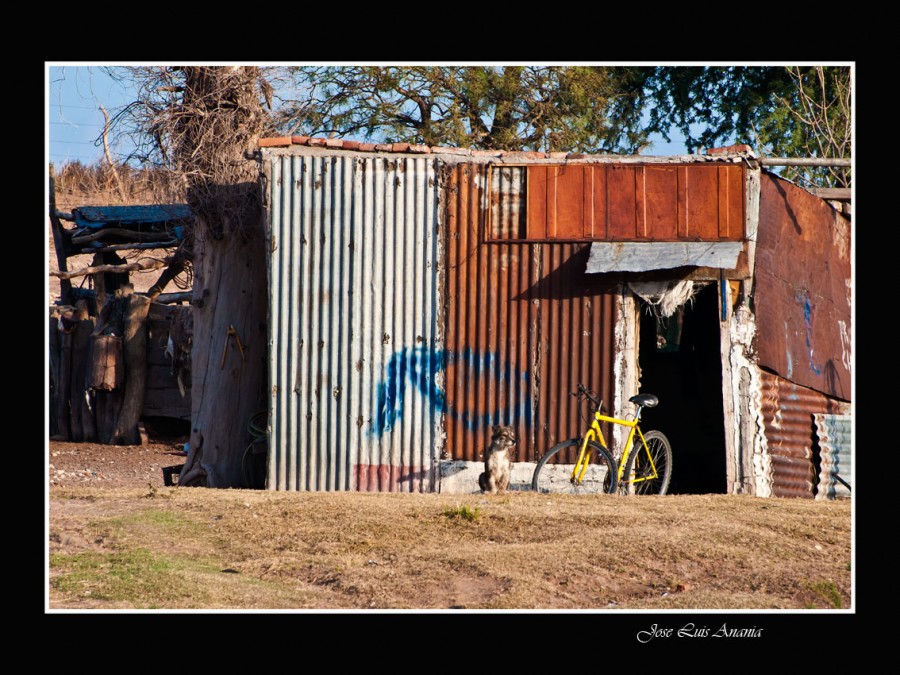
354,323
835,436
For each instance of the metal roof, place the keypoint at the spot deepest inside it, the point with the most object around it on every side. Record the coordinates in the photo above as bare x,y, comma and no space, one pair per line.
97,217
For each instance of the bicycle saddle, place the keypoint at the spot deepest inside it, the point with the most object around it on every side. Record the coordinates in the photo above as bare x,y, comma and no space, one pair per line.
645,400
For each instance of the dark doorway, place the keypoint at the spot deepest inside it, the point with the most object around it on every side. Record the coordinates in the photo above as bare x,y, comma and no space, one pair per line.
680,362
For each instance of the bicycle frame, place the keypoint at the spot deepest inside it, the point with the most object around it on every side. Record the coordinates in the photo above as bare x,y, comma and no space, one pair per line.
581,465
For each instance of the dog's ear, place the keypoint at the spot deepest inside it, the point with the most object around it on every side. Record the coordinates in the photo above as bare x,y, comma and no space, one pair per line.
495,430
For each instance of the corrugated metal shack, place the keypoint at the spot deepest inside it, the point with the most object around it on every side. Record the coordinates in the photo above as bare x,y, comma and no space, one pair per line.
419,295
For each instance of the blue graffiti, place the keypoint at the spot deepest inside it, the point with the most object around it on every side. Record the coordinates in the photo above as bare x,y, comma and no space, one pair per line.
419,366
807,321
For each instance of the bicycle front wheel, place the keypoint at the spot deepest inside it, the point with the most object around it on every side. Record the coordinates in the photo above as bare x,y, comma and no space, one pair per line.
553,473
647,478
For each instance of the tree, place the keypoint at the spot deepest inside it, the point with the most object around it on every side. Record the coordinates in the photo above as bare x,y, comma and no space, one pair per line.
780,111
204,123
574,108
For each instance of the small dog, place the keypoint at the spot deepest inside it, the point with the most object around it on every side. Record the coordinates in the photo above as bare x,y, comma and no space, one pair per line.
497,460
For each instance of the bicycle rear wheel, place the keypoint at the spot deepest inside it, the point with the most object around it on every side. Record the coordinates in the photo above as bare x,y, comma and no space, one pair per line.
554,470
642,478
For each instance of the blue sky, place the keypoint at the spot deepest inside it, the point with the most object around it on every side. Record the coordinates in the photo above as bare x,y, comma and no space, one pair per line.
74,97
74,122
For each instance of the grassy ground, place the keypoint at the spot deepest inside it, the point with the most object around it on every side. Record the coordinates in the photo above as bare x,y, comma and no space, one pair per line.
179,548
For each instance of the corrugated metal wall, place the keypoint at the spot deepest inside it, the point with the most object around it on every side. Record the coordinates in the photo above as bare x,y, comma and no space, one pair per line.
834,433
525,326
802,288
354,323
788,411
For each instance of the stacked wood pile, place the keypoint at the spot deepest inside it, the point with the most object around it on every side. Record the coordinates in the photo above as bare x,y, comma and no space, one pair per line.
136,352
117,355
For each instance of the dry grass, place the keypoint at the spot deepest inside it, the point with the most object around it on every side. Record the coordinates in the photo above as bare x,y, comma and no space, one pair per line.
200,549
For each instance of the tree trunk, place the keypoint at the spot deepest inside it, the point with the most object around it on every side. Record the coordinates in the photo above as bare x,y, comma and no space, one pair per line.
215,132
230,290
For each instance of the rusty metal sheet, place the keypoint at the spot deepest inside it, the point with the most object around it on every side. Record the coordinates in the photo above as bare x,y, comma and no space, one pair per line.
658,192
834,433
524,326
803,289
621,202
788,411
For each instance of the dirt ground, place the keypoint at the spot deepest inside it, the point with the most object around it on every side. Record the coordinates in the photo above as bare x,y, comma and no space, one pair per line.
119,539
112,466
116,466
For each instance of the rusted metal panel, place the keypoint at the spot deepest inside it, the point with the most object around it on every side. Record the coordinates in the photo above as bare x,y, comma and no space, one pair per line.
568,215
354,323
621,196
597,226
622,202
803,288
524,326
659,217
788,411
576,342
702,202
538,179
834,433
731,203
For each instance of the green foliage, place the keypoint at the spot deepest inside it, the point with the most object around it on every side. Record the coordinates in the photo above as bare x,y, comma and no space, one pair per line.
573,108
779,111
464,512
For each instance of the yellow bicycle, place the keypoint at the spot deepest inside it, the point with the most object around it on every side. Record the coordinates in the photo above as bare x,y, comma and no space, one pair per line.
585,465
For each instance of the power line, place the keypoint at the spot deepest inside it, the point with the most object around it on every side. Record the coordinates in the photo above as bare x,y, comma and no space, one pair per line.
80,107
85,157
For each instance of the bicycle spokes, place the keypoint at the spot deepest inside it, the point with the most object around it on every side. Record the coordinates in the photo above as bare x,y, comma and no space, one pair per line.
650,466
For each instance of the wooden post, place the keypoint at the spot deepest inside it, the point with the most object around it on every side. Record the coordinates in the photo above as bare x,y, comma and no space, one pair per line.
108,404
54,377
135,347
65,389
107,363
106,284
83,426
65,286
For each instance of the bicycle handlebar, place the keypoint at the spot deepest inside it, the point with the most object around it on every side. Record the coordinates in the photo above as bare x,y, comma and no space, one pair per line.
582,391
